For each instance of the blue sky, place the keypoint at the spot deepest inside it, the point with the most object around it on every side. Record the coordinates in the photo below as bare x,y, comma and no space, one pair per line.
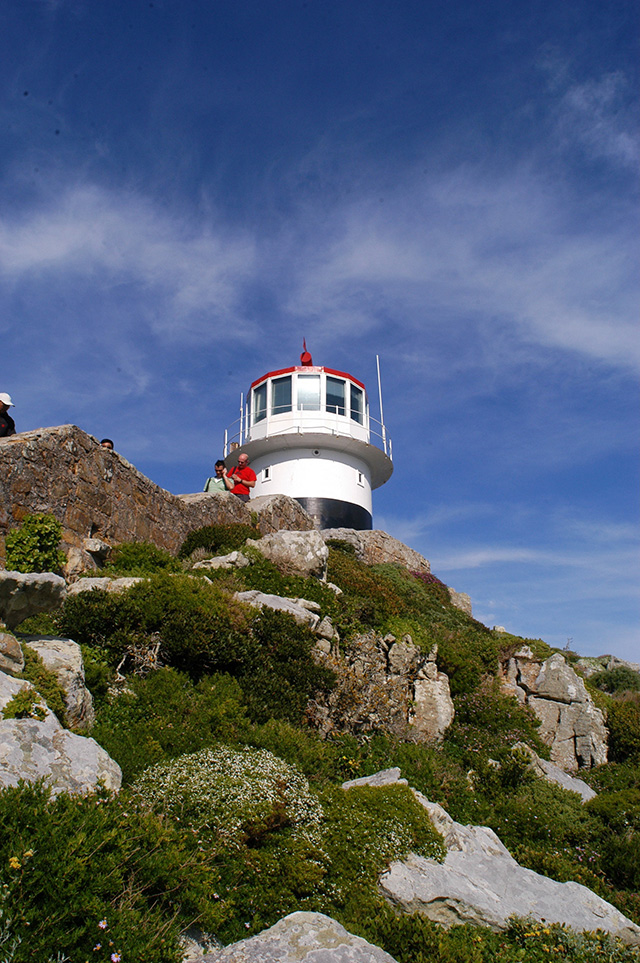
189,188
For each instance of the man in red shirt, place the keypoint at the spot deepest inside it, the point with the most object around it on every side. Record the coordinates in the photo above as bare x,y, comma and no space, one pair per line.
241,479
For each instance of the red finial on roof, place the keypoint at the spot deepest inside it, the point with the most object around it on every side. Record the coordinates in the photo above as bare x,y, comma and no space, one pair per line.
305,357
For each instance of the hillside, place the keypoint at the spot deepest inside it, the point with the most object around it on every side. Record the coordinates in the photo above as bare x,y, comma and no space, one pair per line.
235,727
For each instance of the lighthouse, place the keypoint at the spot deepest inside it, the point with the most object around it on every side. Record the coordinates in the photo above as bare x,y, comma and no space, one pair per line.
308,433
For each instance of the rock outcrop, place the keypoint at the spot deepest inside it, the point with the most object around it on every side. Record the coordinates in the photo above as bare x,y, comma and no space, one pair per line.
383,684
547,770
278,512
100,499
294,553
32,748
480,883
570,722
376,547
301,938
64,658
24,595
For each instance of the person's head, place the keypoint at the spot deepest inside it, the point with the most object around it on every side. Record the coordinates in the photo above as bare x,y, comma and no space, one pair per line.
219,466
243,460
5,402
106,443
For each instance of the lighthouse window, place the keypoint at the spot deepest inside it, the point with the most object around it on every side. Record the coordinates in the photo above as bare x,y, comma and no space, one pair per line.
308,392
259,403
357,404
335,395
281,395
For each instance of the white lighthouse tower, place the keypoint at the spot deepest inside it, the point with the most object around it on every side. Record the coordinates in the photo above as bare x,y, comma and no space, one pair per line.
308,434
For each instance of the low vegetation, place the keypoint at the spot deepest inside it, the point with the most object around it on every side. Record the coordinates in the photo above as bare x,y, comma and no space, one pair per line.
231,812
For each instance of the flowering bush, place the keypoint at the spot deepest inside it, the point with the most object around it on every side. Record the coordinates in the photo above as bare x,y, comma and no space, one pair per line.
232,792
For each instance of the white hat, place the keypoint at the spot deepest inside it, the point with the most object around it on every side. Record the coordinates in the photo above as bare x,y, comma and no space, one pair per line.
6,400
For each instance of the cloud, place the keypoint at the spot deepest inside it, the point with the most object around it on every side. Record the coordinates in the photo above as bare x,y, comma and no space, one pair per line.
486,250
121,247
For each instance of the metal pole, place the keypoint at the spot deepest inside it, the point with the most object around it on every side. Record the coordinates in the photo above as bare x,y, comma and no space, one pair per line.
226,442
384,431
241,415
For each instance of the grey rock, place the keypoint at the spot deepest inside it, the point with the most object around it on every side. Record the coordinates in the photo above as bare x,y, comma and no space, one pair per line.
278,512
31,749
552,773
480,883
11,657
64,658
461,600
570,722
104,584
386,777
261,600
232,560
376,546
432,709
295,553
301,938
23,595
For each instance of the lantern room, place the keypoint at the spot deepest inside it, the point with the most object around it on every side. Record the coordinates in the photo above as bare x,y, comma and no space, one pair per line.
309,434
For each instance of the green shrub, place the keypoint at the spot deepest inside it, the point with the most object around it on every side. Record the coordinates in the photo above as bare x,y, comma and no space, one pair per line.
83,870
623,722
140,558
166,714
489,722
25,704
33,546
619,679
217,539
45,681
411,938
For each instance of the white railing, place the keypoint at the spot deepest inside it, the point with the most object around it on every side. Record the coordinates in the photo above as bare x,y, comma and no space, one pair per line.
239,431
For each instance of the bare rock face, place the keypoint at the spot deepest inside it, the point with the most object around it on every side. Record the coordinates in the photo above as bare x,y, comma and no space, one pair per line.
97,494
277,512
24,595
383,684
376,547
11,657
64,658
295,553
31,749
461,600
570,722
301,938
482,884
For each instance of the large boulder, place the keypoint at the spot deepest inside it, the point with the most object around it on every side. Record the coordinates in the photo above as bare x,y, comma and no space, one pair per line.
480,883
33,748
374,547
301,938
294,553
23,595
570,723
64,658
278,512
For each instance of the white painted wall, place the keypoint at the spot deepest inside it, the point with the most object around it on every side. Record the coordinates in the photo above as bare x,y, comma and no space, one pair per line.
300,473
